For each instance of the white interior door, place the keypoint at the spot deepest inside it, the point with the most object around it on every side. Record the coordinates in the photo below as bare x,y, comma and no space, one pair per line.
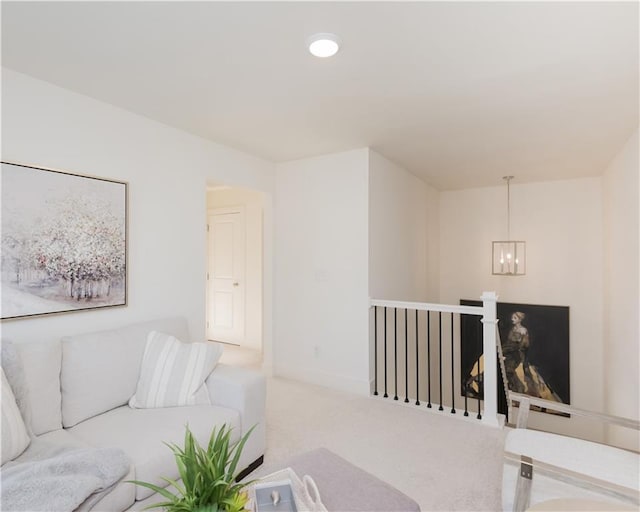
226,277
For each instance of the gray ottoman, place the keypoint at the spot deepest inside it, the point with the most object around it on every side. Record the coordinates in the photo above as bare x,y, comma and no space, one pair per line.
347,488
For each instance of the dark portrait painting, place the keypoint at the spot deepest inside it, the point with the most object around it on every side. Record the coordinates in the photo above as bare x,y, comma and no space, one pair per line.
535,347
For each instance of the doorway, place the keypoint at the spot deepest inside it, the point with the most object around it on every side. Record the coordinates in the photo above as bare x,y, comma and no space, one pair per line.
226,275
234,266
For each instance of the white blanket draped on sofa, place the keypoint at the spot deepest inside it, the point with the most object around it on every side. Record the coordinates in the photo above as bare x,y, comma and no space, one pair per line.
51,477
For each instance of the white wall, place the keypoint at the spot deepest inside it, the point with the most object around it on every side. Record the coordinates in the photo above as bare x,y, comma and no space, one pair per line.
403,259
561,222
167,171
321,270
433,245
621,328
253,203
402,233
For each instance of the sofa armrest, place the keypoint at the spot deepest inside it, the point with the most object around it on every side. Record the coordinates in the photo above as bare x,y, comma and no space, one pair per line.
238,388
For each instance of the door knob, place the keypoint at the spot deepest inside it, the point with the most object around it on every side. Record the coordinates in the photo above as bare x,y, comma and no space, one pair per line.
235,284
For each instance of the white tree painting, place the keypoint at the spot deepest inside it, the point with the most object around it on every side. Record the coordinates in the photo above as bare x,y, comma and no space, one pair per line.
63,242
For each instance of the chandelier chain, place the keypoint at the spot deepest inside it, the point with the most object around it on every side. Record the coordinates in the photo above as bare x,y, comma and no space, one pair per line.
508,180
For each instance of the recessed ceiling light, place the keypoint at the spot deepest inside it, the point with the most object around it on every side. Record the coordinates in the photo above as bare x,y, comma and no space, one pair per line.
323,44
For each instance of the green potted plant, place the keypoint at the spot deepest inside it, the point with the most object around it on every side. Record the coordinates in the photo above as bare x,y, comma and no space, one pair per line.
208,475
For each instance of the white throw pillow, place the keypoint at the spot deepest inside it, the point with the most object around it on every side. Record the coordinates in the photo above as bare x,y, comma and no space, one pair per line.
15,438
173,373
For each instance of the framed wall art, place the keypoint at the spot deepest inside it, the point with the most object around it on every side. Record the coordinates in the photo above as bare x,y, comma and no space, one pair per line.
535,346
64,242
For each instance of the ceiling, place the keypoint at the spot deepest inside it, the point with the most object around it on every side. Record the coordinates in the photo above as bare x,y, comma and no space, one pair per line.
458,93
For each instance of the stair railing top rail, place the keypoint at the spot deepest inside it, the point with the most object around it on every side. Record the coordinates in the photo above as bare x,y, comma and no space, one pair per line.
613,485
425,306
526,401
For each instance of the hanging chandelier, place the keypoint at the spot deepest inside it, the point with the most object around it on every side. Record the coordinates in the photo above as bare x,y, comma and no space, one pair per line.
509,256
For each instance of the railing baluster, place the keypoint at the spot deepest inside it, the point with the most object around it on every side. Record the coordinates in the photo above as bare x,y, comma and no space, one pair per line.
463,383
466,408
406,358
453,387
429,359
440,356
385,352
417,364
395,351
481,390
375,350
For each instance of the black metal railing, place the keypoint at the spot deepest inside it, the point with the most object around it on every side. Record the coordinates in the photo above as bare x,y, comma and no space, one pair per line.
429,363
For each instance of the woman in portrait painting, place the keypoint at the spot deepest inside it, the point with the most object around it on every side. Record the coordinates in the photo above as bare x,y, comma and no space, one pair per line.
516,366
523,377
514,351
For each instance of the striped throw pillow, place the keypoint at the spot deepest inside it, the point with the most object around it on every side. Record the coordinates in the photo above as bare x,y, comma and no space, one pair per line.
173,373
14,433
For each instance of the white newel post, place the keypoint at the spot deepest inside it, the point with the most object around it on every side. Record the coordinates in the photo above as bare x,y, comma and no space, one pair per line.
489,322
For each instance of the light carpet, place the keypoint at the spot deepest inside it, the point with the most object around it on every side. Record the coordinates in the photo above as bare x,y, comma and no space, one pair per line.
442,462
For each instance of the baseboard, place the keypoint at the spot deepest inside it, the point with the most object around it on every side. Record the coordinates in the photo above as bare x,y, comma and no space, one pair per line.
327,380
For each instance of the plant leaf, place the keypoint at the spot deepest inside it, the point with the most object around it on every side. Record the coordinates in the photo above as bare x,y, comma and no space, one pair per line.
208,474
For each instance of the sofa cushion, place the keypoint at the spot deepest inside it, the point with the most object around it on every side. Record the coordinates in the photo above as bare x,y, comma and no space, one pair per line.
173,373
62,438
14,372
141,433
41,362
100,370
15,438
48,444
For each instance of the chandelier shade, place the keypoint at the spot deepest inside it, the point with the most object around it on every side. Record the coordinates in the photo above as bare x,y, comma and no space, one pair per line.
508,257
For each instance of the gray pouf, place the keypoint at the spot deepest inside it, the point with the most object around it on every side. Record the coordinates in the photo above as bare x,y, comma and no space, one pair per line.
347,488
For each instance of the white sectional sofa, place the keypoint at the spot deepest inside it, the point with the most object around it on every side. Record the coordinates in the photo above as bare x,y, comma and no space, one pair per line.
78,392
